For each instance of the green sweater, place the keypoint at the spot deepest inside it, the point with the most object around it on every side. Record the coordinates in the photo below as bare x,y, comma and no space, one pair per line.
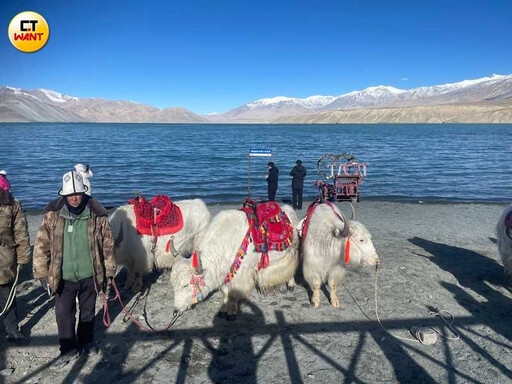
76,263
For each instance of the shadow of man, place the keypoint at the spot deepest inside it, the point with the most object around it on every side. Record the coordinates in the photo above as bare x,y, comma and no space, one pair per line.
234,360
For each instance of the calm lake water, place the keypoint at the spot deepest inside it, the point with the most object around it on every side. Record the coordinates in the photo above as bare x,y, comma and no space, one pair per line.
405,162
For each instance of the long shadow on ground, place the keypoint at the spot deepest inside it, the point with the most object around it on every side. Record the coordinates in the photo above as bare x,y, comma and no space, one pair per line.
485,277
482,275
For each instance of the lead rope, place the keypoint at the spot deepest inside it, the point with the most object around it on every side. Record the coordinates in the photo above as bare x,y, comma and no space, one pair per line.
106,315
418,333
12,293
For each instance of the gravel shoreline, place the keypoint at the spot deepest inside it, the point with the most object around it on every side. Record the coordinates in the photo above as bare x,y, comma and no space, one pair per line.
432,256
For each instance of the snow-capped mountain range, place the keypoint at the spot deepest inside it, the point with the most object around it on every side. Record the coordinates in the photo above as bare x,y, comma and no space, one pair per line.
491,88
47,105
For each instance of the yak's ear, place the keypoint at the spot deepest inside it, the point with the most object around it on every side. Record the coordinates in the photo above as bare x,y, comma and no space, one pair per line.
336,232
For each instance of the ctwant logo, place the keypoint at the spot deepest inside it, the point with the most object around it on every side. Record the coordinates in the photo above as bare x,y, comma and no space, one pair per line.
28,31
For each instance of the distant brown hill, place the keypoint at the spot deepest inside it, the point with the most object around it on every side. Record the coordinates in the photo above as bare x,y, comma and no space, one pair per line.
434,114
42,105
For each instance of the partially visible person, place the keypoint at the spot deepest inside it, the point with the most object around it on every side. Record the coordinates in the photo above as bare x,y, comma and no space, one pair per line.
74,258
272,178
14,251
86,173
298,173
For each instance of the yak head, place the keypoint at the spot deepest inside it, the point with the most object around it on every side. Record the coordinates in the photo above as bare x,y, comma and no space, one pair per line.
362,250
187,281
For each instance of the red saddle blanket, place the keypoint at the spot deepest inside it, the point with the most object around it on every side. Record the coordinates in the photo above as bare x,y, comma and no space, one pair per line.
157,217
271,229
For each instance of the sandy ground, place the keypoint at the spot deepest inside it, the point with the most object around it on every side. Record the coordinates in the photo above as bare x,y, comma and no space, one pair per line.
432,255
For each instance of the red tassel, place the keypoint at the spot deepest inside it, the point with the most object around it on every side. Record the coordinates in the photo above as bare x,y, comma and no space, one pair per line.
168,246
264,261
195,260
347,250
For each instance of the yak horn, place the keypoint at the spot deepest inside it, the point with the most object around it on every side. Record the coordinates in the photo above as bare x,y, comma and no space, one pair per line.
119,237
353,212
346,226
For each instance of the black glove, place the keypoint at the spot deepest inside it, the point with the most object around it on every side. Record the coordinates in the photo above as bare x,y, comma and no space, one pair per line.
44,283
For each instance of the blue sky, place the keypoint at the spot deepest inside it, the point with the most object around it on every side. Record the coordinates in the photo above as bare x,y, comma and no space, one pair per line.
211,56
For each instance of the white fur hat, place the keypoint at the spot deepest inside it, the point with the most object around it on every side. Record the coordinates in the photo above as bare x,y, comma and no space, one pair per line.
3,172
72,183
84,170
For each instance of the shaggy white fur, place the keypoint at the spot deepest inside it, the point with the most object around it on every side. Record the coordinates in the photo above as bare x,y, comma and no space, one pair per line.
323,251
217,251
134,250
504,236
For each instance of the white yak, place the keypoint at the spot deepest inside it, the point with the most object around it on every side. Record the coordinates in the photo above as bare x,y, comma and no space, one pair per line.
504,235
323,250
217,250
134,250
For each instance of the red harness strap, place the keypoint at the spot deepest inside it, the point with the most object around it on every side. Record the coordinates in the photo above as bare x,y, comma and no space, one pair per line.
311,210
305,226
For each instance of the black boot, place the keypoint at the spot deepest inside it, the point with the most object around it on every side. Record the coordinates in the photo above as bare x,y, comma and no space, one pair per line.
17,338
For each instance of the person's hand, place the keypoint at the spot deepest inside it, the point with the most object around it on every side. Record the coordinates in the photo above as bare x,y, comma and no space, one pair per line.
266,176
44,283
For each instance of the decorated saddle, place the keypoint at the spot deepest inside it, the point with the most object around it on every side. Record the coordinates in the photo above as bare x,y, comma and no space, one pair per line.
157,217
270,228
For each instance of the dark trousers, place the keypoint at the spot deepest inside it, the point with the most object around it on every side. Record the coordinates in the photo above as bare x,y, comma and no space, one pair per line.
11,317
297,198
272,194
65,310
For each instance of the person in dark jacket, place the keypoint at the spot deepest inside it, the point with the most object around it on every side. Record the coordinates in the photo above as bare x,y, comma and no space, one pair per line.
74,259
298,173
272,177
14,252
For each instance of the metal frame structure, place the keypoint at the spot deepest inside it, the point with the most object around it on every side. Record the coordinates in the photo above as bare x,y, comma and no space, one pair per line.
346,174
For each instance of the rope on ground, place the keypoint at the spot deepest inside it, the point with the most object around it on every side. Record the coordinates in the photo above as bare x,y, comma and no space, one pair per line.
117,297
138,298
420,335
12,293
